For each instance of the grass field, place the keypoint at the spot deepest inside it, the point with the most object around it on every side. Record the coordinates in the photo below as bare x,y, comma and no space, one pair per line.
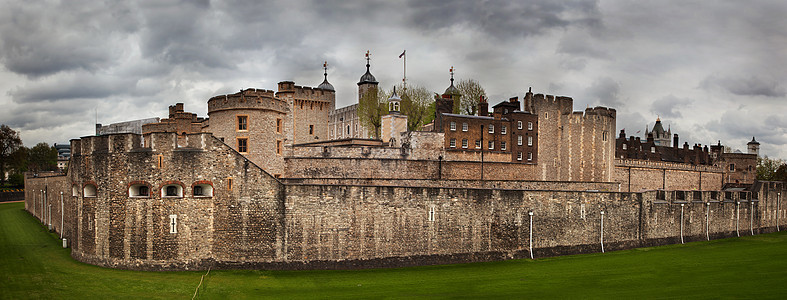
33,265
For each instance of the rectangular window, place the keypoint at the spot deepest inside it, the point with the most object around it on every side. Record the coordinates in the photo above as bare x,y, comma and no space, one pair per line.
519,156
519,140
604,136
503,146
503,129
243,123
173,223
311,129
243,145
478,144
278,125
452,143
624,146
491,145
278,147
519,124
529,156
732,167
229,183
530,141
652,149
464,126
464,143
529,125
431,214
491,128
453,126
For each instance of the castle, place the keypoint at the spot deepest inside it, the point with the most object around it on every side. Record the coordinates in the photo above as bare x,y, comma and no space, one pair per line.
284,180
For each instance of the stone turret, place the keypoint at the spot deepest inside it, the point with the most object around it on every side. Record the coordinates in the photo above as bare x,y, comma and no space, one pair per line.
753,146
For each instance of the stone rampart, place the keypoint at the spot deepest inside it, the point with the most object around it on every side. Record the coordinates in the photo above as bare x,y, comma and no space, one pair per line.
641,175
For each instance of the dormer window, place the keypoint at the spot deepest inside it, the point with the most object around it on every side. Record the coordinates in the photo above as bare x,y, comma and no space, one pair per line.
652,149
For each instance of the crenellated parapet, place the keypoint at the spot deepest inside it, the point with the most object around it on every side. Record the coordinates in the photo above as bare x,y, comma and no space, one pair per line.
132,142
254,99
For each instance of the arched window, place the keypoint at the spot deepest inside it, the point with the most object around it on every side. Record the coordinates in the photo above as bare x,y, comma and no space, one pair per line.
172,191
89,190
138,190
74,190
202,190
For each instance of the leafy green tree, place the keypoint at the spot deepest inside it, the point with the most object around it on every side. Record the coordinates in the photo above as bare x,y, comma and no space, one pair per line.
471,91
371,107
767,167
781,173
415,105
9,143
42,157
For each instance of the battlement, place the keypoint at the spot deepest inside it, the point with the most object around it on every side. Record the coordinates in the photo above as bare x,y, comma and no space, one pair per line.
563,104
601,111
288,88
131,142
247,99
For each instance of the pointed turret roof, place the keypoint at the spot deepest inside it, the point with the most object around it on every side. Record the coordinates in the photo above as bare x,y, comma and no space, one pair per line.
325,85
367,77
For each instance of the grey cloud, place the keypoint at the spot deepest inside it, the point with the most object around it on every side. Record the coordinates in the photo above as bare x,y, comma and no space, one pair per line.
75,87
40,39
504,19
745,86
670,106
605,91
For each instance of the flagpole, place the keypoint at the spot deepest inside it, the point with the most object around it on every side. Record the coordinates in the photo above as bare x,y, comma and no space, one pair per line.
404,70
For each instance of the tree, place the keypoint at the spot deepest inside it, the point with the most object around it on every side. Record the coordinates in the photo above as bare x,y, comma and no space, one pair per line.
371,108
415,105
767,167
42,157
471,92
781,173
9,143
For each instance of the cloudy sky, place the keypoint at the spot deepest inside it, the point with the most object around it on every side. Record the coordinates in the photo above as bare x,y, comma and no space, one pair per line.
712,70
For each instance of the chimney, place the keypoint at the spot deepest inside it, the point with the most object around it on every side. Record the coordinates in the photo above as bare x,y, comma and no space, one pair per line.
675,143
483,107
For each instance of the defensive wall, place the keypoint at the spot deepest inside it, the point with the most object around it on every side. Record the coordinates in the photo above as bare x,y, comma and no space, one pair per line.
635,175
249,219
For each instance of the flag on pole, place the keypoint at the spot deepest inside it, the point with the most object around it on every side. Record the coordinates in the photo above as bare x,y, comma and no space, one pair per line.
400,55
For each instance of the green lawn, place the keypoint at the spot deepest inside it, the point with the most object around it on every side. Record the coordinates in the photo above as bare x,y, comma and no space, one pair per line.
33,265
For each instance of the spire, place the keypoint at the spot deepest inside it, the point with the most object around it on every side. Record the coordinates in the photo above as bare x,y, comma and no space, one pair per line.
325,85
367,77
451,90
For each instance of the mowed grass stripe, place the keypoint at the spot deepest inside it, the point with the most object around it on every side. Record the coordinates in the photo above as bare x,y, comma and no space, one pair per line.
33,265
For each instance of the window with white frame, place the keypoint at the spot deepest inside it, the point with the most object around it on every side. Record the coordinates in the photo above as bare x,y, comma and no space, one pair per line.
464,126
519,124
519,156
478,144
431,213
624,146
503,129
89,190
173,223
453,126
491,128
529,156
464,143
529,125
491,145
530,141
503,146
452,143
653,149
519,140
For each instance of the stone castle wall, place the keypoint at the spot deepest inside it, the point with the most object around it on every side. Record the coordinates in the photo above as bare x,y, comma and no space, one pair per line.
642,175
253,220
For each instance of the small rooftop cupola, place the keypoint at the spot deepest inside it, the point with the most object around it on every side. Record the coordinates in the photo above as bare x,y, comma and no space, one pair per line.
367,77
753,146
451,90
325,85
394,102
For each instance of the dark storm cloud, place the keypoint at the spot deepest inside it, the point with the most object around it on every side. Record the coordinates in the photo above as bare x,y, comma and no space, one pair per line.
80,86
504,19
39,39
605,91
669,106
745,86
